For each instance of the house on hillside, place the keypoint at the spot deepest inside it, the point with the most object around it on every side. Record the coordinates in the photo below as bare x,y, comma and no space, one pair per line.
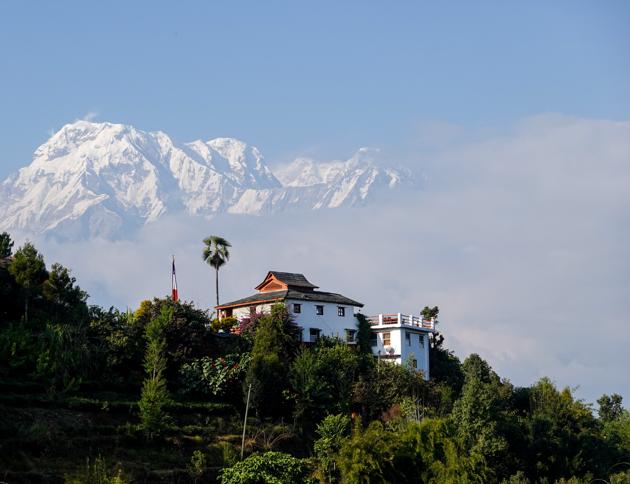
318,313
395,337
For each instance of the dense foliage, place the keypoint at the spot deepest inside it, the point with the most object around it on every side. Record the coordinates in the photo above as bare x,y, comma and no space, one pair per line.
89,394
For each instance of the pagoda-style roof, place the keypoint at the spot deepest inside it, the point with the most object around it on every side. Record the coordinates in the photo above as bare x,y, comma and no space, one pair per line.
275,280
279,296
280,286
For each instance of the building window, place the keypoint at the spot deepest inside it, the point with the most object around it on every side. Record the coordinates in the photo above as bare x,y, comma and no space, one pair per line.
387,338
414,362
252,310
319,310
297,308
341,311
421,338
373,339
408,338
314,335
350,335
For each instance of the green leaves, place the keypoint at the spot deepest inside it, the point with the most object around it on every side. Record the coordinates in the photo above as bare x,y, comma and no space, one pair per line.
155,396
6,245
267,468
213,376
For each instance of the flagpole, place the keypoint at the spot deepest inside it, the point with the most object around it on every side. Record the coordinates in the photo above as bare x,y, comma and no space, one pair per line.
174,291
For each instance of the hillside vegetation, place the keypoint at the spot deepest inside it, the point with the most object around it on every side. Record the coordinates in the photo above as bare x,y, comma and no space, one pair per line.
97,395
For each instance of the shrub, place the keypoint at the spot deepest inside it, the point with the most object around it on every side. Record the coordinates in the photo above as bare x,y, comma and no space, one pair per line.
224,324
212,376
154,395
267,468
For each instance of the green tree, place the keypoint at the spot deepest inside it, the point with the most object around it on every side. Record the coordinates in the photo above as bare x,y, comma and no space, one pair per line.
477,414
118,343
64,359
564,437
6,245
321,381
407,452
385,385
155,395
66,298
364,333
430,313
275,342
332,432
216,253
267,468
445,366
186,333
610,407
29,270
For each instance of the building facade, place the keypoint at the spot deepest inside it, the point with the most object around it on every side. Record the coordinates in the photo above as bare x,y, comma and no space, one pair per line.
317,313
398,338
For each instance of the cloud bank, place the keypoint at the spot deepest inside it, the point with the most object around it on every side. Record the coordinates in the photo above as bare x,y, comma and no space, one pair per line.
521,238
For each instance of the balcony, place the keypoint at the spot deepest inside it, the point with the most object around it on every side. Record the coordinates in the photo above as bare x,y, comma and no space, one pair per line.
399,319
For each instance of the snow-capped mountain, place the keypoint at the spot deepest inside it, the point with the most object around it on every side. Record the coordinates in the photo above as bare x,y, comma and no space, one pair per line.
101,179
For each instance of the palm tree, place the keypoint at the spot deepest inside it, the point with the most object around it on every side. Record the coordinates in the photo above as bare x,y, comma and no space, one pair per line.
216,253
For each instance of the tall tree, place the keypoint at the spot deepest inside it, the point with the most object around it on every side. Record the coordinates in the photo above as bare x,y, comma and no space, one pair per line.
66,298
154,396
6,245
275,342
216,253
29,270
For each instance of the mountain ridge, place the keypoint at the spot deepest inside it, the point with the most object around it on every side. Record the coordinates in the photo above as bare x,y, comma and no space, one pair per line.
103,179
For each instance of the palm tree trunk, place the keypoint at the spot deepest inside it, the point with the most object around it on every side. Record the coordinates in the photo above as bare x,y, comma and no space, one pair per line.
217,283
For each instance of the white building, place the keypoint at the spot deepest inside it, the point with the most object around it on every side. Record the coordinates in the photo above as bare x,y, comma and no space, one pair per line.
403,339
398,337
317,313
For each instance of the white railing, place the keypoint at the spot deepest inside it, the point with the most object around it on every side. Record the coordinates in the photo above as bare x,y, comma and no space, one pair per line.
402,319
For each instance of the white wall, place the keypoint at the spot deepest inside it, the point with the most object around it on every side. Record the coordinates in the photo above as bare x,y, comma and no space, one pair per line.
330,323
414,349
404,349
244,312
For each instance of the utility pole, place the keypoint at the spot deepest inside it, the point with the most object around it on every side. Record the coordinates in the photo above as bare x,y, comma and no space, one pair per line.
249,391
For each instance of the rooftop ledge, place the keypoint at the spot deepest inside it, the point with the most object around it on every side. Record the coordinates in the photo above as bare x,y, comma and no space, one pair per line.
399,319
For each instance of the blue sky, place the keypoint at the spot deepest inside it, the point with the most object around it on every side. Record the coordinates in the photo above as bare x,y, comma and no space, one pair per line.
321,78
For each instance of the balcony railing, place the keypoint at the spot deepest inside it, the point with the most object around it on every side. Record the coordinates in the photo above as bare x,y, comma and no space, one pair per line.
402,319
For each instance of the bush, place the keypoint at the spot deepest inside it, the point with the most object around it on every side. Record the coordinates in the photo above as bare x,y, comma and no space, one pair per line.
212,376
224,324
267,468
332,431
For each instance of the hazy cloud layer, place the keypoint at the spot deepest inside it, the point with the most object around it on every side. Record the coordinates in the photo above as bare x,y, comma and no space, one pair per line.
521,239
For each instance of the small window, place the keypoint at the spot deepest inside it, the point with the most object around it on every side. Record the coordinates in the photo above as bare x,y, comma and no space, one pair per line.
252,310
421,338
373,339
414,362
319,310
408,338
313,335
387,338
341,311
297,308
350,335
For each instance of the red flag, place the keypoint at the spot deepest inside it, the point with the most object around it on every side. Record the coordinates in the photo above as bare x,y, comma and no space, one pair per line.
174,283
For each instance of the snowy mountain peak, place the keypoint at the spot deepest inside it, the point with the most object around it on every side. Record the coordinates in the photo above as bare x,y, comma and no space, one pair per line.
103,179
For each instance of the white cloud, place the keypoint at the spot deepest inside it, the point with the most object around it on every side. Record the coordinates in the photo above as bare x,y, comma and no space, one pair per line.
521,239
90,116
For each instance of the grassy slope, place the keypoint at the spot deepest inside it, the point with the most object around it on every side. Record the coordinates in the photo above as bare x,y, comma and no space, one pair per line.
45,439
